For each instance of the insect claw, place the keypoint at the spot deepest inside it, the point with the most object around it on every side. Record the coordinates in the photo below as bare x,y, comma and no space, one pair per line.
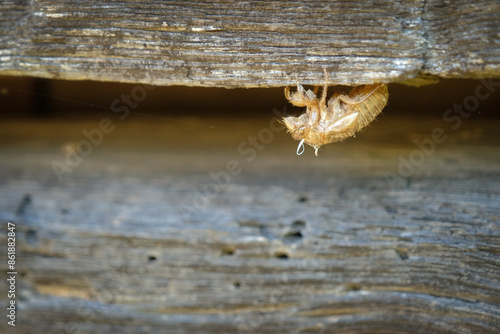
325,88
301,89
287,93
301,144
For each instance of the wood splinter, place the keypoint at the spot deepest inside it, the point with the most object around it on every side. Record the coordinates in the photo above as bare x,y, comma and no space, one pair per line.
340,118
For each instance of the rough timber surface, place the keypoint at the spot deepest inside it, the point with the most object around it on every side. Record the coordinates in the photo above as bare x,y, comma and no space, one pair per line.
125,244
249,43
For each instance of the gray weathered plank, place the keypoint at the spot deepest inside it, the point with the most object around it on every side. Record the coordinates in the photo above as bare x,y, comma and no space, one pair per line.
249,44
291,244
463,38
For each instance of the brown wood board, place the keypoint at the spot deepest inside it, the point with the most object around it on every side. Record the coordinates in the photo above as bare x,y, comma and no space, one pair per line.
249,44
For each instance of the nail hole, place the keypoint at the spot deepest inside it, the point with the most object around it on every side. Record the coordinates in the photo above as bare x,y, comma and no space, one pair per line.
294,235
237,284
228,250
151,258
302,199
402,253
281,255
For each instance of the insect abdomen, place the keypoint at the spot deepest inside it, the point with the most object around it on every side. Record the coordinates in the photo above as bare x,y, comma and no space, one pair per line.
372,106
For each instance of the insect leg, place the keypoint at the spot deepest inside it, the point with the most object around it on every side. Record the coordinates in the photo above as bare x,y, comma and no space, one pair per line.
350,100
325,89
300,98
316,89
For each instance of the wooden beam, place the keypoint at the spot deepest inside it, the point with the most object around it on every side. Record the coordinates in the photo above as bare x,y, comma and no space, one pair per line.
152,234
249,44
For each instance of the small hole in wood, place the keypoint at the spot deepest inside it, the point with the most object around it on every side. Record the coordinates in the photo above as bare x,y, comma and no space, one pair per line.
402,253
237,284
228,251
353,287
303,199
294,235
152,258
281,255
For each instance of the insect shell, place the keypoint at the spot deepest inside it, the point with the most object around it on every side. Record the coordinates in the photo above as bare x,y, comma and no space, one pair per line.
340,118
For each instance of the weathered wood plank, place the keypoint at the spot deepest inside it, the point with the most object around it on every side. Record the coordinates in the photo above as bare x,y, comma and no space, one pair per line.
290,244
249,44
462,38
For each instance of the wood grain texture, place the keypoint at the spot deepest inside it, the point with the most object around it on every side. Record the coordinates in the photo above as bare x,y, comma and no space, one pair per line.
290,244
249,44
463,38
